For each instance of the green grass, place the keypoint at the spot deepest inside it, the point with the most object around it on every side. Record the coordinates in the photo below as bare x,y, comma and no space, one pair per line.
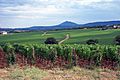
26,73
76,36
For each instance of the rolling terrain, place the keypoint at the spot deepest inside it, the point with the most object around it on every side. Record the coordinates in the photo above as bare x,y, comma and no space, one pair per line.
78,36
66,25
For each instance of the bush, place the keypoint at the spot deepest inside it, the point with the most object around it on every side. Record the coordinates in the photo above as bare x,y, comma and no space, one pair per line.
51,40
117,40
92,41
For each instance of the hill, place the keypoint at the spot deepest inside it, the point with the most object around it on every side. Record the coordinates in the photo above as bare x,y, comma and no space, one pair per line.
102,23
67,25
64,25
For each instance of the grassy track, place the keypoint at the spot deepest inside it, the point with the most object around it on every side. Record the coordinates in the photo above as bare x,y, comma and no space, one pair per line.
76,36
76,73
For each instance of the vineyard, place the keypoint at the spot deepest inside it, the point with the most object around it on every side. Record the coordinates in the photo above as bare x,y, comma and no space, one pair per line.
49,56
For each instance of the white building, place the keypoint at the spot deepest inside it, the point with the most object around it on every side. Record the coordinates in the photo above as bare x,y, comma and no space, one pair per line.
3,32
115,26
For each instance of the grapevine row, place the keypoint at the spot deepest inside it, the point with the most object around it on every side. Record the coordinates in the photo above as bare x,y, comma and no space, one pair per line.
63,55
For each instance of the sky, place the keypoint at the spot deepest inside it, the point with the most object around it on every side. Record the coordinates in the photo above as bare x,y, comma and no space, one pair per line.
27,13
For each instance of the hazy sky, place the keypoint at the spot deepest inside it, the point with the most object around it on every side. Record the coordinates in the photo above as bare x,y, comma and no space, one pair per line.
26,13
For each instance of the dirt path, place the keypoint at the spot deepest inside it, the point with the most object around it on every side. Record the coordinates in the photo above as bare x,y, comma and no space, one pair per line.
81,74
66,38
44,33
61,74
3,73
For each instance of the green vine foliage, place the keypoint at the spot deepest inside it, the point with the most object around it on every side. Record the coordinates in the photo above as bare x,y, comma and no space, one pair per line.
94,53
10,54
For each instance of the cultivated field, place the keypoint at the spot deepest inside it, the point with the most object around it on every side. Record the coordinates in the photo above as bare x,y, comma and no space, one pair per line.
33,60
76,36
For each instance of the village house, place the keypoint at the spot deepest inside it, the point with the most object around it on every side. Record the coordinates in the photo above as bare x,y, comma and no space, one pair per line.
116,26
3,32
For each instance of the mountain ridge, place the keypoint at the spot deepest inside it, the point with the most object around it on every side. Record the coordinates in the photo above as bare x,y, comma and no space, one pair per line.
103,23
69,25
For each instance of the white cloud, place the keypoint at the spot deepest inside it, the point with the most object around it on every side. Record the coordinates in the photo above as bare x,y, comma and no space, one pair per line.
72,3
47,8
55,6
30,17
29,11
61,3
36,11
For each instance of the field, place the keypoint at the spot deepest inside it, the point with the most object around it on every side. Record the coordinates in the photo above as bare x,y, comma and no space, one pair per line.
76,36
33,60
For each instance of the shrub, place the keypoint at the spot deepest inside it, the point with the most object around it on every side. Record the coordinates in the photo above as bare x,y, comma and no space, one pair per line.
51,40
92,41
117,40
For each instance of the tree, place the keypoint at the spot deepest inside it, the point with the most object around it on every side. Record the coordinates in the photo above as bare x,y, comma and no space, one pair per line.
51,40
117,40
92,41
